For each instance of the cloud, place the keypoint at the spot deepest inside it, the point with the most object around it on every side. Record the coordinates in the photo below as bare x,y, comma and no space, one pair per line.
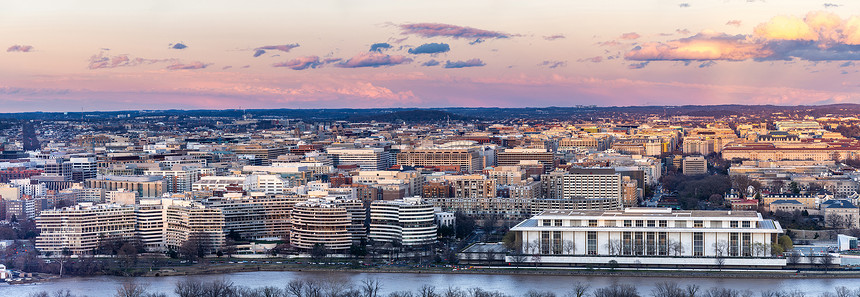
102,61
430,48
373,60
445,30
682,31
630,36
430,63
596,59
190,66
820,36
464,64
20,48
831,5
553,37
684,5
378,47
226,67
609,43
736,23
637,65
707,64
301,63
284,48
553,64
178,46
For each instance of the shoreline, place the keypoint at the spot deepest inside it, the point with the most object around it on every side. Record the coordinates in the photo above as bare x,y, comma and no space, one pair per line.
548,271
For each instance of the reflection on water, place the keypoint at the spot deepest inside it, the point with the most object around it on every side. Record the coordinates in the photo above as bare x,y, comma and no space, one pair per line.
510,284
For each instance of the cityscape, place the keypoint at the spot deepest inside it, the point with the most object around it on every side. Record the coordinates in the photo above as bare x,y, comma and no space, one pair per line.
424,149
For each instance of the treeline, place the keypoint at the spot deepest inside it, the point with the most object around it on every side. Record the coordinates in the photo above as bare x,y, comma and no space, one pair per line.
191,287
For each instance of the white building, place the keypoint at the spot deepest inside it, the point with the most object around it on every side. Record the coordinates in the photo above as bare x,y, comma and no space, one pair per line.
212,183
409,221
648,236
694,165
364,158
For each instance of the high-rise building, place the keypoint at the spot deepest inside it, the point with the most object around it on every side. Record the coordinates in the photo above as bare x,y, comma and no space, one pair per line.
409,221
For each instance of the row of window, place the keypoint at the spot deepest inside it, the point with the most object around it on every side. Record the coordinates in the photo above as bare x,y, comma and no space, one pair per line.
648,223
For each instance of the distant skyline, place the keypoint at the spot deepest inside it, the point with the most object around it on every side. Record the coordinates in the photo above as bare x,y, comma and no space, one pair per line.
120,55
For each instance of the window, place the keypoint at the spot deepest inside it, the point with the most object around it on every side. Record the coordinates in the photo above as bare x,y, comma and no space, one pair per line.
746,244
698,224
627,243
733,224
650,243
745,224
733,244
544,242
652,223
591,238
716,224
662,244
592,223
546,222
609,223
698,244
556,243
664,224
680,224
557,223
628,223
640,223
638,244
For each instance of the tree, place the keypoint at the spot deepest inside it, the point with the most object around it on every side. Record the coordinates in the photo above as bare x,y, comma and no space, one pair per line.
616,290
794,188
578,289
319,252
614,246
720,254
465,224
510,240
668,289
793,258
190,249
130,289
785,242
370,287
716,200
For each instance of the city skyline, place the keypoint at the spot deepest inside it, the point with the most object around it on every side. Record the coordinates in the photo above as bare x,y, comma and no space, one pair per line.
103,55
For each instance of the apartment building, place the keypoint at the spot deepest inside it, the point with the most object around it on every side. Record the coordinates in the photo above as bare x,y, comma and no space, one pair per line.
145,186
586,183
472,186
513,157
649,237
321,221
256,217
80,228
165,224
409,221
468,159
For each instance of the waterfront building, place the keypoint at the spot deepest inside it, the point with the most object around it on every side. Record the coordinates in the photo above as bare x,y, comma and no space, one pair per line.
409,221
80,228
648,237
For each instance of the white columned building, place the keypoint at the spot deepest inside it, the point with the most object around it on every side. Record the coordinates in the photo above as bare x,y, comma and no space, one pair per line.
647,236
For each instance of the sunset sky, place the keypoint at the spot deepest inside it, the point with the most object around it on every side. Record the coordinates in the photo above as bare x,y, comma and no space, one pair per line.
122,55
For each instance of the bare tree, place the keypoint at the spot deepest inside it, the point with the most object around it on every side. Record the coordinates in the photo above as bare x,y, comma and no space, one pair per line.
370,287
578,289
692,290
427,291
793,258
295,288
568,247
720,254
613,246
189,287
616,290
668,289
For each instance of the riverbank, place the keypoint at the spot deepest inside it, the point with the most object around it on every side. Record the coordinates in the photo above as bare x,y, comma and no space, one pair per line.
691,273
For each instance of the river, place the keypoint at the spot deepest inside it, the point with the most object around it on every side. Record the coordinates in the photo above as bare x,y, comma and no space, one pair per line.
511,284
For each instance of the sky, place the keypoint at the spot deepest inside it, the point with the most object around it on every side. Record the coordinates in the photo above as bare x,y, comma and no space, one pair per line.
129,55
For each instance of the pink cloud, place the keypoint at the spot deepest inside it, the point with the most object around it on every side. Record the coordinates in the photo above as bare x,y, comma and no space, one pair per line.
301,63
20,48
553,37
453,31
736,23
190,66
101,61
630,36
372,59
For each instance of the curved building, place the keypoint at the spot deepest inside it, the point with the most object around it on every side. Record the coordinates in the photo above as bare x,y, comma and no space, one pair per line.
409,221
320,221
